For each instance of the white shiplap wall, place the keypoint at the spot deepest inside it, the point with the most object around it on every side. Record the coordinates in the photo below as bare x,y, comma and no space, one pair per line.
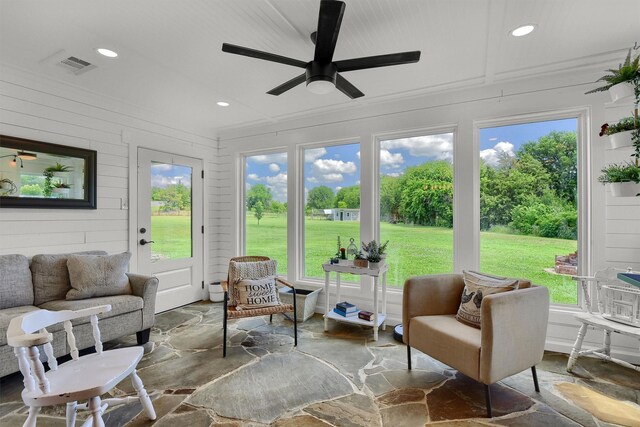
612,235
45,110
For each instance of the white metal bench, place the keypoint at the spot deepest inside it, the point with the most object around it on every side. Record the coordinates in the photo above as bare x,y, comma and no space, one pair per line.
81,378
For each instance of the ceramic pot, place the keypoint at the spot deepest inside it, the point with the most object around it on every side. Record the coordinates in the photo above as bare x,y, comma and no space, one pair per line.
620,139
375,264
361,263
621,91
624,189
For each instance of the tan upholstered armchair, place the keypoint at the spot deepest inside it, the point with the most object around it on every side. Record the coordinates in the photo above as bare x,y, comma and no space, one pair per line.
512,337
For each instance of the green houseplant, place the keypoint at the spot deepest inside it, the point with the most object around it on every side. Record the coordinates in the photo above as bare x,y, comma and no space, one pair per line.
621,134
624,179
617,81
58,168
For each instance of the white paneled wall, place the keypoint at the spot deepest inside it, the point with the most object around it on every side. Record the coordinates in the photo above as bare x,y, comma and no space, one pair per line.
48,111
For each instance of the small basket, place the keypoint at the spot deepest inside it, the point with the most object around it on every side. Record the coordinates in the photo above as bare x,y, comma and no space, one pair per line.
620,304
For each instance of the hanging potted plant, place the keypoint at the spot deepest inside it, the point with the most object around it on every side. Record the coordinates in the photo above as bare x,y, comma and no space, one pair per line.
620,134
59,170
623,179
622,82
61,189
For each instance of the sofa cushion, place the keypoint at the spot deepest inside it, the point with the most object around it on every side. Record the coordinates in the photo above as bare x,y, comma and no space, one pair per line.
51,276
16,288
476,287
98,275
120,304
9,313
449,341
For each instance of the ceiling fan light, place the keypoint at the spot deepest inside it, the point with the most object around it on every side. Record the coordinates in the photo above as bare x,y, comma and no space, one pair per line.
321,87
27,156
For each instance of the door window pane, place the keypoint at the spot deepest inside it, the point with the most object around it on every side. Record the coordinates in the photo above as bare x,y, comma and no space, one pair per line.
416,205
170,211
332,203
266,207
528,204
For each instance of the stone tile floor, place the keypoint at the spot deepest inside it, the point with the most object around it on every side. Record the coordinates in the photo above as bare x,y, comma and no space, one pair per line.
338,378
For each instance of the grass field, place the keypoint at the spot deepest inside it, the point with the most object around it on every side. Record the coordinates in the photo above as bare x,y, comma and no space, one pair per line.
413,250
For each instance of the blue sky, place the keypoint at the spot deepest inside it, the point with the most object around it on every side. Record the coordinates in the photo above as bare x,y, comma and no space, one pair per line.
163,174
339,166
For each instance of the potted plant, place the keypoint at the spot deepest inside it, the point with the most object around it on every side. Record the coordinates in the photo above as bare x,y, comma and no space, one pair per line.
61,188
373,253
624,179
382,250
620,134
59,170
623,82
360,260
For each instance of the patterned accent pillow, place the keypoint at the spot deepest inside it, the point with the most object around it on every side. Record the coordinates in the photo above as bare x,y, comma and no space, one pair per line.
250,294
249,270
98,275
476,287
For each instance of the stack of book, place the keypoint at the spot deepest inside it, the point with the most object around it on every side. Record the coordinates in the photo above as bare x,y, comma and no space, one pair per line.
345,309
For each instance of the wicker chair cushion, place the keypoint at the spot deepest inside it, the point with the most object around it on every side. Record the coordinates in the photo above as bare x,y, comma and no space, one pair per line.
250,294
249,270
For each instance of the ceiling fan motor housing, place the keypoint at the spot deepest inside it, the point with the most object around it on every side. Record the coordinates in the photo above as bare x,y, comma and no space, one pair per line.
317,71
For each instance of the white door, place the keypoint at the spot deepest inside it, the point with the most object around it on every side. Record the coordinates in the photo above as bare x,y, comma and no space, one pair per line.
170,225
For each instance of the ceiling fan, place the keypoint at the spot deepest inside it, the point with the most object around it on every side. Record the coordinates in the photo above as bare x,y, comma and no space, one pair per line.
322,73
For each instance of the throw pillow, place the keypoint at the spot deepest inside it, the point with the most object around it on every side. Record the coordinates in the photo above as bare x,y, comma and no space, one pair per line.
476,287
98,275
15,282
51,276
250,294
253,270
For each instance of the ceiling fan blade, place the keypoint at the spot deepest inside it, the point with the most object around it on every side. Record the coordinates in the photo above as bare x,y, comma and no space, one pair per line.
288,85
329,21
245,51
347,88
378,61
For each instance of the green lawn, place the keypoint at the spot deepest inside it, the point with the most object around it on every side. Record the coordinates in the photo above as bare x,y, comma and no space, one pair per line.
413,250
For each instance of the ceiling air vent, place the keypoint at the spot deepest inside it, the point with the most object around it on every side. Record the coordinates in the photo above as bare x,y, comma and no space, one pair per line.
76,65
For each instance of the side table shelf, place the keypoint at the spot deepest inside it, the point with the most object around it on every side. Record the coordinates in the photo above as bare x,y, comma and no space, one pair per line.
380,313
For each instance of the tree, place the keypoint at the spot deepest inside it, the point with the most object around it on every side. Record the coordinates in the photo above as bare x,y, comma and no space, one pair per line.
427,194
176,197
277,207
390,198
258,211
557,152
350,196
259,193
321,197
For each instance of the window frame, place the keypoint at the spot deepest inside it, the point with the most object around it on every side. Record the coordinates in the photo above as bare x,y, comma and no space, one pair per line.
582,115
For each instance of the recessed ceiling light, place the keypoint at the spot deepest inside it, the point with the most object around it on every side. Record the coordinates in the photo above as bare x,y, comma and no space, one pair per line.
222,103
106,52
523,30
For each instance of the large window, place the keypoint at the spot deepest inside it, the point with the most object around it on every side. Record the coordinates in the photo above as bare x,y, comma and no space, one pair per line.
266,207
416,205
528,204
332,203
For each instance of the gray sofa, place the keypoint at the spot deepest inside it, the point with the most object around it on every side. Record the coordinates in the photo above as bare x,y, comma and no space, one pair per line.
43,283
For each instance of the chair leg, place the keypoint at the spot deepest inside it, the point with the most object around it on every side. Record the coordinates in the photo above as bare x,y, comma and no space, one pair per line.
95,406
31,419
295,320
575,351
142,394
409,356
71,413
224,327
535,379
487,394
143,336
271,318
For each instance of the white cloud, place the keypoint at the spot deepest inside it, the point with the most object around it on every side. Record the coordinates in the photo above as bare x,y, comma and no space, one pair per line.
273,167
312,154
254,177
162,167
331,166
358,154
391,160
269,158
332,177
278,186
338,188
438,147
491,156
165,181
394,174
312,179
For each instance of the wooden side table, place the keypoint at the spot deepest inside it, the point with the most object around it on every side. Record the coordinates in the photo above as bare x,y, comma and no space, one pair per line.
379,316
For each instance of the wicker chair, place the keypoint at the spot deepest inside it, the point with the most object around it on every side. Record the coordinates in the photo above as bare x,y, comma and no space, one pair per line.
230,311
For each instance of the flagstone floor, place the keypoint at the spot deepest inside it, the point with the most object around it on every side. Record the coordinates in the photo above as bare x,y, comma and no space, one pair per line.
338,378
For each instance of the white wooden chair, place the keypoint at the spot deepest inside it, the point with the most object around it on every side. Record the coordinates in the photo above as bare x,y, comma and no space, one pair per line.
614,310
81,378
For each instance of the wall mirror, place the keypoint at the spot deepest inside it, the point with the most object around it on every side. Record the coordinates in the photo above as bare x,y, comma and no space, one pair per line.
37,174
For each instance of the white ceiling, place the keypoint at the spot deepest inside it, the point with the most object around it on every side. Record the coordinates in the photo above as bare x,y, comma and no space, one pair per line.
170,59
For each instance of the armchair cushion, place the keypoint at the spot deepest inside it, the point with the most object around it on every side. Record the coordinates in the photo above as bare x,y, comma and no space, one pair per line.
250,294
98,275
476,287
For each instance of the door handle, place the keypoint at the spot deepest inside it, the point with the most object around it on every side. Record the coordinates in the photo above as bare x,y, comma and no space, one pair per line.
145,242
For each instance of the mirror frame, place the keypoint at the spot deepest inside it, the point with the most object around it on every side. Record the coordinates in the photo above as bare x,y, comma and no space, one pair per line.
90,175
